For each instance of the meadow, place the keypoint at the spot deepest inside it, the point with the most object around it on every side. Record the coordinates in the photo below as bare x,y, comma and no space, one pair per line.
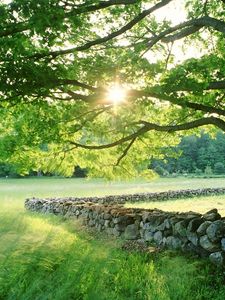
50,257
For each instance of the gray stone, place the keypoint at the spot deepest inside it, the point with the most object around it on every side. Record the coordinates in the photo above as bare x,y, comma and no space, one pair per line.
167,223
119,219
217,258
216,230
206,244
202,228
120,227
107,216
173,242
107,223
116,232
212,215
192,237
109,231
180,228
174,220
145,216
91,223
189,247
99,227
161,226
131,232
158,237
148,236
150,227
223,244
142,233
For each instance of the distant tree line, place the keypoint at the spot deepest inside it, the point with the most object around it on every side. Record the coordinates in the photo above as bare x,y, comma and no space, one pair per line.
11,170
194,154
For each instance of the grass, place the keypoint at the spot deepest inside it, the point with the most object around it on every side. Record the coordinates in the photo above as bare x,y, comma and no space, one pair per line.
48,257
200,204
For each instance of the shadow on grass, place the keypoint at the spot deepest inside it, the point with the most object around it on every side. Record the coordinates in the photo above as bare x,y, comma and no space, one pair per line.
48,257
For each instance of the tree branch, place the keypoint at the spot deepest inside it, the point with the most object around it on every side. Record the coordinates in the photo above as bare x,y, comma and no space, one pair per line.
162,128
179,102
125,151
76,83
190,26
107,38
23,26
83,8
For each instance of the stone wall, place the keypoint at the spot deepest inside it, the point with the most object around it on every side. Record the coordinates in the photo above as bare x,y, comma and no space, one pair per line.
188,232
144,197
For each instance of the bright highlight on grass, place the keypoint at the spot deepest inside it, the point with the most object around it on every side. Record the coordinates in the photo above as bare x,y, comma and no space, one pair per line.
116,94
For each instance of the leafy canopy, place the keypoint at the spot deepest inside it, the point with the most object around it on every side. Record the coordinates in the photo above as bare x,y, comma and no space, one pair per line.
58,59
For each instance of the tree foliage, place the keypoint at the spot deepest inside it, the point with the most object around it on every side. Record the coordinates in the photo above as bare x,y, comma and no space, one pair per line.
193,155
58,59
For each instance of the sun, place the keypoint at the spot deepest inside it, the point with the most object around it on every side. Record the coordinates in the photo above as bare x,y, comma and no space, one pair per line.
116,94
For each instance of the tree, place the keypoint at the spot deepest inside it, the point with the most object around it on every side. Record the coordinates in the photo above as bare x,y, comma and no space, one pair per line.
58,59
195,154
219,168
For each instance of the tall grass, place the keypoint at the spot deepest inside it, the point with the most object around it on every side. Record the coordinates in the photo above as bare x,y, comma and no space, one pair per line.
49,257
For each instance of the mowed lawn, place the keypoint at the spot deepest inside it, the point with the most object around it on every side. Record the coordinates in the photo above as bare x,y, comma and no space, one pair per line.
48,257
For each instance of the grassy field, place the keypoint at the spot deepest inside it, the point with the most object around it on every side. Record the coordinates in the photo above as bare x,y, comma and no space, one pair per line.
201,204
48,257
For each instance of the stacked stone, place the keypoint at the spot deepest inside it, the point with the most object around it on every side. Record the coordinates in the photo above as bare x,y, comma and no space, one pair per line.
142,197
189,232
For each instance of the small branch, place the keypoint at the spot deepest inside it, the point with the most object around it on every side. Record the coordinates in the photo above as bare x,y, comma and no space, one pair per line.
125,151
188,27
76,83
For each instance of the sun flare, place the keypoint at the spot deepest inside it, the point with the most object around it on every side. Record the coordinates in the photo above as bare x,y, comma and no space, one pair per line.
116,94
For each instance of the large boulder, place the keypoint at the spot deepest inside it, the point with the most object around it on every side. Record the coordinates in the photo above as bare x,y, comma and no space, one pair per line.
206,244
148,236
173,242
158,237
216,231
180,228
192,237
131,232
202,228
